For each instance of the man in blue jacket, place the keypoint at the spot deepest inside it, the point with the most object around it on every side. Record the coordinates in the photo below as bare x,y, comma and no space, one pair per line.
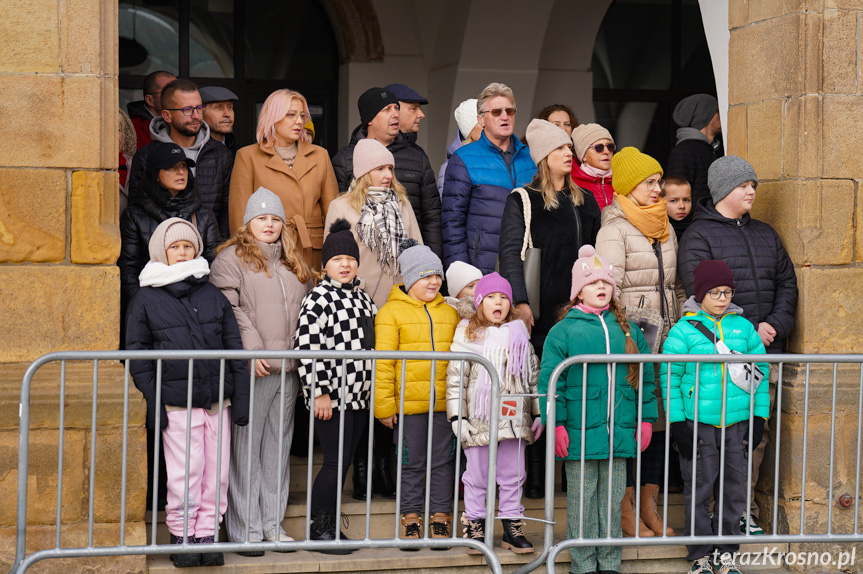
478,180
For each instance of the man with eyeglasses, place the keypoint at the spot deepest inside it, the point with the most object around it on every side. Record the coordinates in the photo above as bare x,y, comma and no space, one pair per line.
762,270
218,105
181,122
380,113
478,179
697,118
141,112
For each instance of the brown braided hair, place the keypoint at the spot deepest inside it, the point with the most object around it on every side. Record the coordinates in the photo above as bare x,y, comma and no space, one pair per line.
619,314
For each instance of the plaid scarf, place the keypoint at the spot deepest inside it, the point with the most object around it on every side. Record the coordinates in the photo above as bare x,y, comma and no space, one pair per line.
380,227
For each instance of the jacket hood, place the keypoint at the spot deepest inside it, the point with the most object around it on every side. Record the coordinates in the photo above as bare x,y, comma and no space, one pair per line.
159,131
398,294
157,202
612,211
456,143
691,134
707,211
139,109
693,306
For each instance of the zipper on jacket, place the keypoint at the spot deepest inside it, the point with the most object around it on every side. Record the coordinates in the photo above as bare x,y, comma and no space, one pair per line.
752,269
431,332
608,420
577,223
663,303
604,195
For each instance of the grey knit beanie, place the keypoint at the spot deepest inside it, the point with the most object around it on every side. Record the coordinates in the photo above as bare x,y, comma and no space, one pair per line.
263,202
726,173
417,261
695,111
543,137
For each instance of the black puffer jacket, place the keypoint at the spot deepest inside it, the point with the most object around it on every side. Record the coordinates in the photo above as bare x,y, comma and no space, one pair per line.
763,271
212,172
147,209
690,159
559,234
189,315
414,171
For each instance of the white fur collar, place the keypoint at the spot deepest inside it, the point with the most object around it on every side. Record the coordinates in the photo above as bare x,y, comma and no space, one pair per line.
157,274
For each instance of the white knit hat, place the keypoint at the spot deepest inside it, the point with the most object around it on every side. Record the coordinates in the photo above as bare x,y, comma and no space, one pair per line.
465,116
459,275
543,137
370,154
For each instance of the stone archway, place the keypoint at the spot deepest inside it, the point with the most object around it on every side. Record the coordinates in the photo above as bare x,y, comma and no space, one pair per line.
358,32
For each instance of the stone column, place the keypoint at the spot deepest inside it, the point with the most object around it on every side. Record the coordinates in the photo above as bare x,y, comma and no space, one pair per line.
796,112
59,285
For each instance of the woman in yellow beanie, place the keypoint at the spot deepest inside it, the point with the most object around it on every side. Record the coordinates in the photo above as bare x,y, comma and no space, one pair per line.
636,238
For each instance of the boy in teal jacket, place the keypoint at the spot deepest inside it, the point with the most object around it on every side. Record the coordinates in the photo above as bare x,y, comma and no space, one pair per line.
713,324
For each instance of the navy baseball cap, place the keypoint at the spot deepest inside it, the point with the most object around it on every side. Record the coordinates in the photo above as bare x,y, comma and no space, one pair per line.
216,94
166,156
406,94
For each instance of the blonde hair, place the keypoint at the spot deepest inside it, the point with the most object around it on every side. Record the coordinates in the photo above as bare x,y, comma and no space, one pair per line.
619,314
275,108
250,254
359,191
494,90
543,183
477,324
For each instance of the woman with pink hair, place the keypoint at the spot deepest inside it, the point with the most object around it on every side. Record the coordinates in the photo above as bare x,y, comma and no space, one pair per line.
298,172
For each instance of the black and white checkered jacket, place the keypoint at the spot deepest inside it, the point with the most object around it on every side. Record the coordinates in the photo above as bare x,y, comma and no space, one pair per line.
337,316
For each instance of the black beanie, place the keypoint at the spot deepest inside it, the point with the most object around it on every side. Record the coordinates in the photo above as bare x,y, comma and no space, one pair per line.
340,241
373,101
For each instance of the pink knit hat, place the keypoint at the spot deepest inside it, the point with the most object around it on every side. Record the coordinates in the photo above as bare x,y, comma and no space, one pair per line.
589,268
370,154
491,283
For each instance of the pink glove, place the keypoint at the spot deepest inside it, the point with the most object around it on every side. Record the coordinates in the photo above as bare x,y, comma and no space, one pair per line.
537,427
646,434
561,441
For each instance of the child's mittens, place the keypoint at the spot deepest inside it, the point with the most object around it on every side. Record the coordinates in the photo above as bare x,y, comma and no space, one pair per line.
561,441
238,418
467,429
683,437
483,398
537,427
646,434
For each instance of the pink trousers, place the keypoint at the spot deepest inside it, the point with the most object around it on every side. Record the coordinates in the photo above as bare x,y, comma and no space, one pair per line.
203,482
510,479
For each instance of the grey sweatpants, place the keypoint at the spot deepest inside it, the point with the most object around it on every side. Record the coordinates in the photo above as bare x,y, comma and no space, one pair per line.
413,462
706,486
267,470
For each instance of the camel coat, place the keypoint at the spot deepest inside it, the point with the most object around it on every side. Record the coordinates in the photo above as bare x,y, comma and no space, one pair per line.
306,190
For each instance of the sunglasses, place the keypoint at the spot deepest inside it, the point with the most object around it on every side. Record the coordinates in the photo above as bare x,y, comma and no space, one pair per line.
599,148
496,112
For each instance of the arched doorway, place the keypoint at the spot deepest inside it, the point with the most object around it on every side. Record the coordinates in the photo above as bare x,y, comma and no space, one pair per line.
252,48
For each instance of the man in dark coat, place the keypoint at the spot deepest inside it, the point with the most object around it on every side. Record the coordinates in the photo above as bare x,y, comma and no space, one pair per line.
379,114
142,112
697,118
182,123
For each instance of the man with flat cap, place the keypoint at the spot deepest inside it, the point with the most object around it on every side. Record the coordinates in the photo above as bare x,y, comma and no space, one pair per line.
218,105
697,118
379,119
410,112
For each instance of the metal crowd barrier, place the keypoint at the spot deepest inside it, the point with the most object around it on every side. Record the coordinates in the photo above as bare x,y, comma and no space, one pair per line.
23,561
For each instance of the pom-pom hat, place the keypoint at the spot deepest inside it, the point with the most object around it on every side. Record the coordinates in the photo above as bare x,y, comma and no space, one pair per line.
589,268
340,241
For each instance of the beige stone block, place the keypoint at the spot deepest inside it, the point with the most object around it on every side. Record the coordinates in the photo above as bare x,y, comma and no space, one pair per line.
802,143
737,130
738,13
109,461
765,9
764,131
44,309
778,72
88,36
32,215
840,51
827,311
95,217
29,29
75,536
842,116
56,121
858,242
804,214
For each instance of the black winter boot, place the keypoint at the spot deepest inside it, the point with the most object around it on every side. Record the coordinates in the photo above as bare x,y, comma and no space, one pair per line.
210,558
185,560
382,478
361,475
513,537
324,528
474,529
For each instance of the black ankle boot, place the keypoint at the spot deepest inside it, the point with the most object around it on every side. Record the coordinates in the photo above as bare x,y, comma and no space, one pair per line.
513,537
360,477
210,558
474,529
323,527
382,480
534,486
185,560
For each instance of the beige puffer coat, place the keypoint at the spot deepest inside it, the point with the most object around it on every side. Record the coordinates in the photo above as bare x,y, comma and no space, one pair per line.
636,271
267,308
507,429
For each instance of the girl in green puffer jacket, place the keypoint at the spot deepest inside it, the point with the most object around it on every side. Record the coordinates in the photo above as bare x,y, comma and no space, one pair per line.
593,323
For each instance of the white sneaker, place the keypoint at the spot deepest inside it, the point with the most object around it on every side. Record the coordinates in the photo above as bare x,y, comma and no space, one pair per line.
282,538
702,566
727,565
754,529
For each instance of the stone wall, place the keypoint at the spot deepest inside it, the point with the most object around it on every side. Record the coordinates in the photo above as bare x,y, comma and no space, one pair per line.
795,112
59,285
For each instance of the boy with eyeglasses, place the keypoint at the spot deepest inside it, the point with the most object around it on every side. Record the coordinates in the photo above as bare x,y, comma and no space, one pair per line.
714,325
